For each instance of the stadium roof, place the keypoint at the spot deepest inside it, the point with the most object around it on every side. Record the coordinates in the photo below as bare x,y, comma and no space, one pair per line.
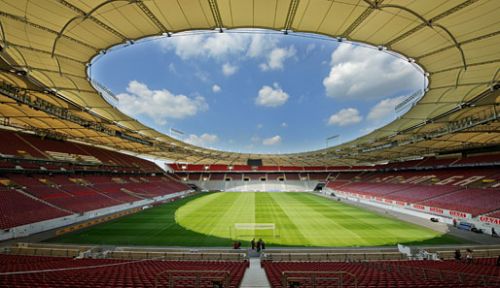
47,45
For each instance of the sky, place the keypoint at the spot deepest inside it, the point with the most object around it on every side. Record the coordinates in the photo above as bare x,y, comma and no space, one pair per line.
257,91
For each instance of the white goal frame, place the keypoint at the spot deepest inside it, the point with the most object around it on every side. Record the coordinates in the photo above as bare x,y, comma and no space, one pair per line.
251,226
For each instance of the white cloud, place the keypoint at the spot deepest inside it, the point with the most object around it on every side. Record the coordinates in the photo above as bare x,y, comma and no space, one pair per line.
384,109
221,46
345,117
363,73
284,125
228,69
260,45
216,88
158,104
272,141
310,47
259,126
203,140
277,57
215,46
271,96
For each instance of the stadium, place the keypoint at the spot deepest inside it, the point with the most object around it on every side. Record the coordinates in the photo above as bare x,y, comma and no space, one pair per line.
96,191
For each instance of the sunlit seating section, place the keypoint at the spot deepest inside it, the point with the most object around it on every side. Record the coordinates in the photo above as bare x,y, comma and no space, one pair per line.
33,147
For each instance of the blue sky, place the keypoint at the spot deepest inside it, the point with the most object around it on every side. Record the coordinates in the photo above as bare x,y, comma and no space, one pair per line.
259,92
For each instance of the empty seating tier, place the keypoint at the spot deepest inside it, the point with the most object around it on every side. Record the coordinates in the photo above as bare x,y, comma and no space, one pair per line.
480,273
69,272
17,209
29,146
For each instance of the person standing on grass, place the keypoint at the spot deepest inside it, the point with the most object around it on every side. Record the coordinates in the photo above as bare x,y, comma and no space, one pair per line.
259,244
252,244
493,232
458,255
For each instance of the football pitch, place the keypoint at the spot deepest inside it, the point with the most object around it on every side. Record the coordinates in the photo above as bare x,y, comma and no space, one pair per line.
217,219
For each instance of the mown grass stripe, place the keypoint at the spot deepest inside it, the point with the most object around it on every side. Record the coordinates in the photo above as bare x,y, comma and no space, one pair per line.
303,219
288,232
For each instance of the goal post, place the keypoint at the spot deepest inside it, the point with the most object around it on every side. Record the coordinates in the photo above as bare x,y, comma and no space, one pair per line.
252,229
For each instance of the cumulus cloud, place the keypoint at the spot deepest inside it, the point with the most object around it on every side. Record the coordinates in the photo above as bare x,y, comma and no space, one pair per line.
216,88
271,96
228,69
204,139
260,44
158,104
277,57
221,46
272,140
384,109
284,125
361,73
347,116
202,45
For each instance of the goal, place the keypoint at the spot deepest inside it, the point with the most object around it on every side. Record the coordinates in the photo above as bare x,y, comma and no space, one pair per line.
253,230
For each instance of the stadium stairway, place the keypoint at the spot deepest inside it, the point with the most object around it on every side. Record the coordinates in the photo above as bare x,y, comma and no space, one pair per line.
255,276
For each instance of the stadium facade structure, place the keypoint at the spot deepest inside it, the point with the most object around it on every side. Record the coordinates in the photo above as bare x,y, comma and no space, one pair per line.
67,169
47,47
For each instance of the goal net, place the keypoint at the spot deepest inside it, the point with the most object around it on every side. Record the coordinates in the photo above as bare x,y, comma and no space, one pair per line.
253,230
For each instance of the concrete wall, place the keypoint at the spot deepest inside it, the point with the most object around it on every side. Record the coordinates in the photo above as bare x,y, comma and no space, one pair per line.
33,228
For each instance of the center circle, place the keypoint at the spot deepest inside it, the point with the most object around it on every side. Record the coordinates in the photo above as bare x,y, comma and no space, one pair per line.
293,219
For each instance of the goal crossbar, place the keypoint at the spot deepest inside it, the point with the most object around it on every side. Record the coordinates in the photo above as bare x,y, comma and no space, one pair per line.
255,226
251,226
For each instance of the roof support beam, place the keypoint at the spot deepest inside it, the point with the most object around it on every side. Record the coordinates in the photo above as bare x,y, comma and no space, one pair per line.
151,16
46,52
436,18
97,21
470,65
482,37
360,19
290,16
427,23
83,17
25,21
214,8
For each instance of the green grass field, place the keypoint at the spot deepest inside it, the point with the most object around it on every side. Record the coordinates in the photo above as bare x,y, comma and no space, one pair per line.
301,219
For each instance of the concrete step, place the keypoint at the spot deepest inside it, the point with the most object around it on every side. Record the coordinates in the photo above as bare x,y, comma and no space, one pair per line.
255,276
